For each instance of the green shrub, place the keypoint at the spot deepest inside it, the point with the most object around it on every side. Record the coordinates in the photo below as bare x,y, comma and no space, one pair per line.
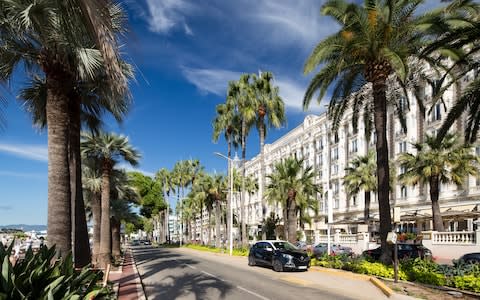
42,276
468,282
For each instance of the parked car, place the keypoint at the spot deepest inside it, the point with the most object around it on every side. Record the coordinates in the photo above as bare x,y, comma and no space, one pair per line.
135,243
320,249
470,258
303,245
146,242
404,251
280,255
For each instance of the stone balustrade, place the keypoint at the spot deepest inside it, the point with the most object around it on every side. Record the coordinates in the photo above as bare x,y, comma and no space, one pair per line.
453,238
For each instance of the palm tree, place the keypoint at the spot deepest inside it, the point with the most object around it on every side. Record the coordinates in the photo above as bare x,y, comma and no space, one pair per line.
108,148
270,113
360,175
290,185
241,94
164,177
456,37
434,163
228,121
122,194
64,55
88,103
373,43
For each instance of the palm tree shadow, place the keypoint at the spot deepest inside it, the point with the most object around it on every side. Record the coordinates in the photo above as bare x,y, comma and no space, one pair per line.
199,285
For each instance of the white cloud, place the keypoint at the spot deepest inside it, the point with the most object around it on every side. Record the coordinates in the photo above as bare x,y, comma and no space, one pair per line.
23,175
129,168
164,15
214,81
291,21
32,152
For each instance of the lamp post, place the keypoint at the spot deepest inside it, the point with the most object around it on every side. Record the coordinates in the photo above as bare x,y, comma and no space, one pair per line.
230,164
330,219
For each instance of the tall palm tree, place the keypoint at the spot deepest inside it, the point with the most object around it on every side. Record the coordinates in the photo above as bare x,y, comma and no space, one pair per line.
164,177
228,121
448,161
290,185
108,148
122,194
360,175
89,101
270,113
64,55
374,42
241,94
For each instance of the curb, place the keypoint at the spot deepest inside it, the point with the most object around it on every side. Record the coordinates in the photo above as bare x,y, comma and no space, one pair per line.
138,280
381,286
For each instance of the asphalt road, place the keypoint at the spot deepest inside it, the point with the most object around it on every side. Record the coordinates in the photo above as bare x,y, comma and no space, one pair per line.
187,274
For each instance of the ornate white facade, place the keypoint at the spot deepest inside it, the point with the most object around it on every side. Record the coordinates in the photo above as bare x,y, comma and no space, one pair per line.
330,153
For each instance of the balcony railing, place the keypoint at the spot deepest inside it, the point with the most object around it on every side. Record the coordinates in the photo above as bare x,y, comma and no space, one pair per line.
454,237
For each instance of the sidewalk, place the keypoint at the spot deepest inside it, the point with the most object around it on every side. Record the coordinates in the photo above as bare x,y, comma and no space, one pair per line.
130,287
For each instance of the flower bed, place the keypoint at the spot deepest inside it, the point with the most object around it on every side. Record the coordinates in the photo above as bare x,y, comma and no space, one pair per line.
461,275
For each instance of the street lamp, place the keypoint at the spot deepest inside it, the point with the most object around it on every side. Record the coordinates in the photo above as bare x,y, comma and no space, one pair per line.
231,163
330,218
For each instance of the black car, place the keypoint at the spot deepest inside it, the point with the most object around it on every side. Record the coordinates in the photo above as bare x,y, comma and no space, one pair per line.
471,258
280,255
404,251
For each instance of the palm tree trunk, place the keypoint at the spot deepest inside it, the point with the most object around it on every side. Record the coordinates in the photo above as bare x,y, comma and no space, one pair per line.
262,178
115,238
59,197
242,204
285,220
217,224
229,199
292,221
434,192
201,224
97,218
366,211
105,236
209,238
383,173
81,245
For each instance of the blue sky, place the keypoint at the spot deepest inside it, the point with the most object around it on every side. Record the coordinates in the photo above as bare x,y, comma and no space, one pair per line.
185,52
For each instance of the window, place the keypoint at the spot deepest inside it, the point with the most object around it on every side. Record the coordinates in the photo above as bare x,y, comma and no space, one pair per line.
402,147
334,169
354,201
354,147
336,203
336,188
403,191
336,139
334,153
436,113
403,169
402,104
477,150
320,144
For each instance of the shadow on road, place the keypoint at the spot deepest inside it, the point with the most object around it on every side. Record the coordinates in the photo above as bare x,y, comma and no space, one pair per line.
168,275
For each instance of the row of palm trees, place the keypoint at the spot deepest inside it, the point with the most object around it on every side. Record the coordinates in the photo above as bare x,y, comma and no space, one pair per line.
108,190
291,186
251,101
432,164
374,47
70,51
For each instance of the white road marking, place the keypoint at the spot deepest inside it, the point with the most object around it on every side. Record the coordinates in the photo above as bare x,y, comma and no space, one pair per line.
211,275
252,293
191,267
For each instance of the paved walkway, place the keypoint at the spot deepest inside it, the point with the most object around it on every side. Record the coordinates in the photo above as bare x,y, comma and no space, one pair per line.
130,287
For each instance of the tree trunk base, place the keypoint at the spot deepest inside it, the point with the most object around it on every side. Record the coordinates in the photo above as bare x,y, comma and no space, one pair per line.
103,260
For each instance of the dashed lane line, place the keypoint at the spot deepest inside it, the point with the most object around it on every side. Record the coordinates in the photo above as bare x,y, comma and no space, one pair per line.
252,293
